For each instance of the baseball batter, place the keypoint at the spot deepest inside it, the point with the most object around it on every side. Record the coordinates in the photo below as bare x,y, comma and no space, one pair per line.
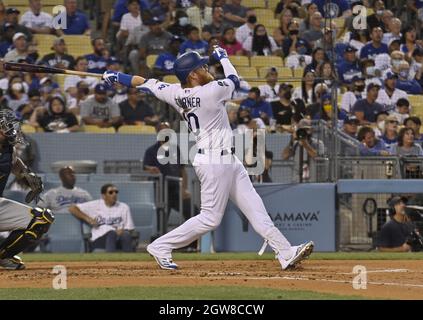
25,224
201,102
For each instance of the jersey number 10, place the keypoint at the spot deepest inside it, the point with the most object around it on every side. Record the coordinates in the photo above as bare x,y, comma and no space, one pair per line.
188,118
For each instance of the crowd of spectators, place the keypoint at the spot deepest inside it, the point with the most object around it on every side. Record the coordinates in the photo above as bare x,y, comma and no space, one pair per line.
378,67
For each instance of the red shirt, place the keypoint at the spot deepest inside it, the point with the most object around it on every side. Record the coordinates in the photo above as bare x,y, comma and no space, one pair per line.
232,49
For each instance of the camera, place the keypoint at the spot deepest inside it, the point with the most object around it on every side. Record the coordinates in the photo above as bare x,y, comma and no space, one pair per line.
302,133
415,241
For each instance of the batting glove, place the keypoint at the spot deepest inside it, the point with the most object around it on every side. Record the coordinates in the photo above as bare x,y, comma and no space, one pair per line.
219,53
110,77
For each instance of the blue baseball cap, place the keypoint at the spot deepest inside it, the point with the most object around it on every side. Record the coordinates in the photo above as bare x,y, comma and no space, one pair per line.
300,42
351,119
154,20
326,96
113,60
391,75
357,78
350,48
100,88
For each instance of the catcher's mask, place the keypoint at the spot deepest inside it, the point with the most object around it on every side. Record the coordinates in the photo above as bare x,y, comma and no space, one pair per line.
10,127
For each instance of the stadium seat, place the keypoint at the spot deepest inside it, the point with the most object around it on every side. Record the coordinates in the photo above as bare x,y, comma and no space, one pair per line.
270,25
60,79
264,15
254,3
247,72
65,234
151,60
79,45
170,79
414,99
256,83
143,129
111,177
298,72
266,61
282,72
144,216
240,61
44,43
96,129
26,128
272,4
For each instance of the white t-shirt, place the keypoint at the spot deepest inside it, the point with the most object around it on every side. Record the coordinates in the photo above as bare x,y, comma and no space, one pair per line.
30,20
390,102
248,45
298,94
112,218
349,99
72,81
60,199
202,107
383,62
268,93
243,32
129,22
293,60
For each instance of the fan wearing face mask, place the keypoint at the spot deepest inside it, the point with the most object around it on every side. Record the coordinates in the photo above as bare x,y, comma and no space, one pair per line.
355,93
246,30
299,58
370,72
260,43
326,111
290,43
403,82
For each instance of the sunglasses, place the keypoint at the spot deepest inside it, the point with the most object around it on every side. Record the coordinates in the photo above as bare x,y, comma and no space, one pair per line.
113,191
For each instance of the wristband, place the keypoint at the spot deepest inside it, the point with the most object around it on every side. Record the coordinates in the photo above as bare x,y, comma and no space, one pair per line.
124,79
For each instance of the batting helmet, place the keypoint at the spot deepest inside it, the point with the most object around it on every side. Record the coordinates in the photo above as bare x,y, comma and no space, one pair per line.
188,62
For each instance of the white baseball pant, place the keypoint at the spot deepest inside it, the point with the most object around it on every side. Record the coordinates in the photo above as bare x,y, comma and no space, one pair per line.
220,182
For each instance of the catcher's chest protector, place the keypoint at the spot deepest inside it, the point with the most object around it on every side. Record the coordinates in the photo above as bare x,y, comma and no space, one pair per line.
6,156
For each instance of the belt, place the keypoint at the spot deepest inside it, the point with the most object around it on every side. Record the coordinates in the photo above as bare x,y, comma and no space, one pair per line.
222,152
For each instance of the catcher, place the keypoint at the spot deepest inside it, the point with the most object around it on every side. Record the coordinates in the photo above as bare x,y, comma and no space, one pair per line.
25,224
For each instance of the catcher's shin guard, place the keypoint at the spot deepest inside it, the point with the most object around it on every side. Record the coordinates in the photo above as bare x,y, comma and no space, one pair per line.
19,240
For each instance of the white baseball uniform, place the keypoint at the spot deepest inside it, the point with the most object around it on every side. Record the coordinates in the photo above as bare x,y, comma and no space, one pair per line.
222,177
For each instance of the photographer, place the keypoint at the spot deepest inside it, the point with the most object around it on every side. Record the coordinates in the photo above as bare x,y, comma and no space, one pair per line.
308,149
398,234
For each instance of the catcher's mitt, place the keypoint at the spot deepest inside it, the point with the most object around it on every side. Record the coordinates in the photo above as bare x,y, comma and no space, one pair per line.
35,184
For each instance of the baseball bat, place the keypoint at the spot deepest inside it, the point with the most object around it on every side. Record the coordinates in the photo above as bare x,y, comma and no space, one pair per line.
26,67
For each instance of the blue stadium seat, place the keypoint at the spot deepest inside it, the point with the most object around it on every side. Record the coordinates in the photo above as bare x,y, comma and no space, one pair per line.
18,196
65,234
111,177
145,219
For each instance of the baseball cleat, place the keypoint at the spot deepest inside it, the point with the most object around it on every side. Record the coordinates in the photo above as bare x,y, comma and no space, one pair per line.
303,251
14,263
164,263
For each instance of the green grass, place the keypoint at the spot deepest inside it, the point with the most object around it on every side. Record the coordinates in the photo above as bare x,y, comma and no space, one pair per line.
50,257
163,293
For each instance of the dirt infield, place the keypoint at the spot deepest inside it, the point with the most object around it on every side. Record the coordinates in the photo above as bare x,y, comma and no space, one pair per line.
386,279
